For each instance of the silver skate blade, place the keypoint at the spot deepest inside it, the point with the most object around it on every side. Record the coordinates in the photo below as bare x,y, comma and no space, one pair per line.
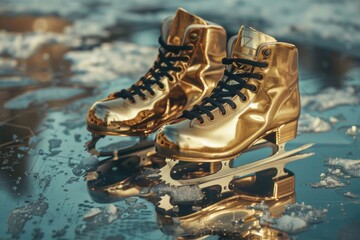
240,172
227,171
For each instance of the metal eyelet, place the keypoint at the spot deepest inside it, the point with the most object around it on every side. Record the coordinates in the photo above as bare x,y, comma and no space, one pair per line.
187,58
233,108
161,88
210,118
152,95
244,100
172,80
193,36
266,52
192,47
222,114
261,76
255,89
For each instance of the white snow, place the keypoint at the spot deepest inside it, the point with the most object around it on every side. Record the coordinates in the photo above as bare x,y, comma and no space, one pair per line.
310,123
353,131
25,44
296,218
110,60
327,23
348,166
328,182
330,98
351,195
41,96
179,194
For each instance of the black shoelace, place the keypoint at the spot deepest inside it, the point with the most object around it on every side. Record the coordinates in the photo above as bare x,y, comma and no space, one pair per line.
160,69
225,91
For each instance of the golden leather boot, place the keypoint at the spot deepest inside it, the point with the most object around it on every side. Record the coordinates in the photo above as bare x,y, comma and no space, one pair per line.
187,69
257,101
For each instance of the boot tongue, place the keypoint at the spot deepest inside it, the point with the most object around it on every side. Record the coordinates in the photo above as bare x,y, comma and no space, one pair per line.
178,27
247,43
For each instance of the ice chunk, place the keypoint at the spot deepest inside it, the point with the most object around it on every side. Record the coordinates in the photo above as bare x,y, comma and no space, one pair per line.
179,194
349,166
351,195
296,218
288,224
91,213
41,96
328,182
309,123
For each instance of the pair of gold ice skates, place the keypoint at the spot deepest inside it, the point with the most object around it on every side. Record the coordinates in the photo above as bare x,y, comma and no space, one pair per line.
212,102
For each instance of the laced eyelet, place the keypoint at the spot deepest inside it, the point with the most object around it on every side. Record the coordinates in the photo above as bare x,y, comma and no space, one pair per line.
191,47
180,68
221,113
187,58
266,52
132,101
253,89
267,64
201,122
210,118
172,80
161,88
144,98
152,94
193,36
261,76
243,99
233,108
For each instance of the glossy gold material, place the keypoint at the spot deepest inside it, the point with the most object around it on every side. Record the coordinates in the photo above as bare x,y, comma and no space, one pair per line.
199,76
236,216
270,112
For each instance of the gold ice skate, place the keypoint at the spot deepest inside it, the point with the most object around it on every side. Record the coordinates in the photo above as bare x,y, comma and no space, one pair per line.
187,69
256,105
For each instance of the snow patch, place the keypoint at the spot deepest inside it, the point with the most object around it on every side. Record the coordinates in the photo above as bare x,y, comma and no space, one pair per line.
110,60
330,98
310,123
296,218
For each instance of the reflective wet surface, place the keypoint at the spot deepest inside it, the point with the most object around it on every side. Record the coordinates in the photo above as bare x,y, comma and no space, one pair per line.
52,75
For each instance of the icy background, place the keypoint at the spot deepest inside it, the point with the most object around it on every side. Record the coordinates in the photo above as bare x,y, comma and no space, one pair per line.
53,68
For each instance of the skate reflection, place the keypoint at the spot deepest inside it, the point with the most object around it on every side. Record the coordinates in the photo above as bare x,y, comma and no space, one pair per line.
121,177
234,215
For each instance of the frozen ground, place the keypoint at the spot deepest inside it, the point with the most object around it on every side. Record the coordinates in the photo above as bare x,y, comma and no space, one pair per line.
48,79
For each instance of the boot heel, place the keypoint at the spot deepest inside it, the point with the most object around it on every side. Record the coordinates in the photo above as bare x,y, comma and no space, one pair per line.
286,132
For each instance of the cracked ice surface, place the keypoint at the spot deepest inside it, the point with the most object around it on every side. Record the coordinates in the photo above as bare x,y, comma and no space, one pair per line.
110,60
42,96
329,98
